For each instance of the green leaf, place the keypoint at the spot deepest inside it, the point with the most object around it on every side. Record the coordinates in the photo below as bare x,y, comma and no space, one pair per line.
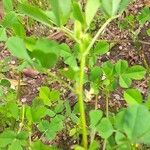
34,13
144,16
17,47
136,72
53,127
113,7
77,13
13,109
68,56
3,35
96,72
101,48
6,138
108,69
121,66
9,19
54,95
36,111
45,45
44,95
61,10
94,145
38,145
136,124
19,29
124,81
22,136
91,9
45,60
110,7
133,96
8,5
148,32
95,117
56,11
15,145
105,128
123,5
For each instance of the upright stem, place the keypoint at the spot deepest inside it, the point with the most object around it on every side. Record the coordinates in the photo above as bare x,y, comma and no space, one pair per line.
107,104
107,114
22,119
18,86
81,102
80,90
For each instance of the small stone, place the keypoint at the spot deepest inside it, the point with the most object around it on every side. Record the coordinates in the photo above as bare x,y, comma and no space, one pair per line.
120,47
23,100
13,62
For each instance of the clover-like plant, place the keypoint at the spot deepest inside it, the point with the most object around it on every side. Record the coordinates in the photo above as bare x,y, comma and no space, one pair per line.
43,54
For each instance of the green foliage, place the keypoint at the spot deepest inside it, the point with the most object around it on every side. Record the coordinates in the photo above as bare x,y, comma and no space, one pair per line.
3,34
50,113
14,44
133,96
112,8
91,9
134,122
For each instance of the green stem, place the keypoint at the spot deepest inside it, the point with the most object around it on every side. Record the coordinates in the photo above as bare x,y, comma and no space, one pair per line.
22,119
107,104
93,133
81,102
104,145
98,34
19,86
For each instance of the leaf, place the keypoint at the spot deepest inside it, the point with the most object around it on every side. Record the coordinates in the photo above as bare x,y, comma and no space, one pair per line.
54,95
101,48
121,66
34,13
13,109
95,74
44,95
91,9
110,7
95,117
45,60
144,16
9,19
94,145
68,57
52,128
61,10
113,7
77,13
36,111
136,125
133,96
19,29
45,45
15,145
3,35
56,11
8,5
124,81
123,5
105,128
38,145
136,72
108,69
17,47
6,138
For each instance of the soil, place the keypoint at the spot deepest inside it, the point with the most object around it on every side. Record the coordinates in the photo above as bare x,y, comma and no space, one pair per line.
123,49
